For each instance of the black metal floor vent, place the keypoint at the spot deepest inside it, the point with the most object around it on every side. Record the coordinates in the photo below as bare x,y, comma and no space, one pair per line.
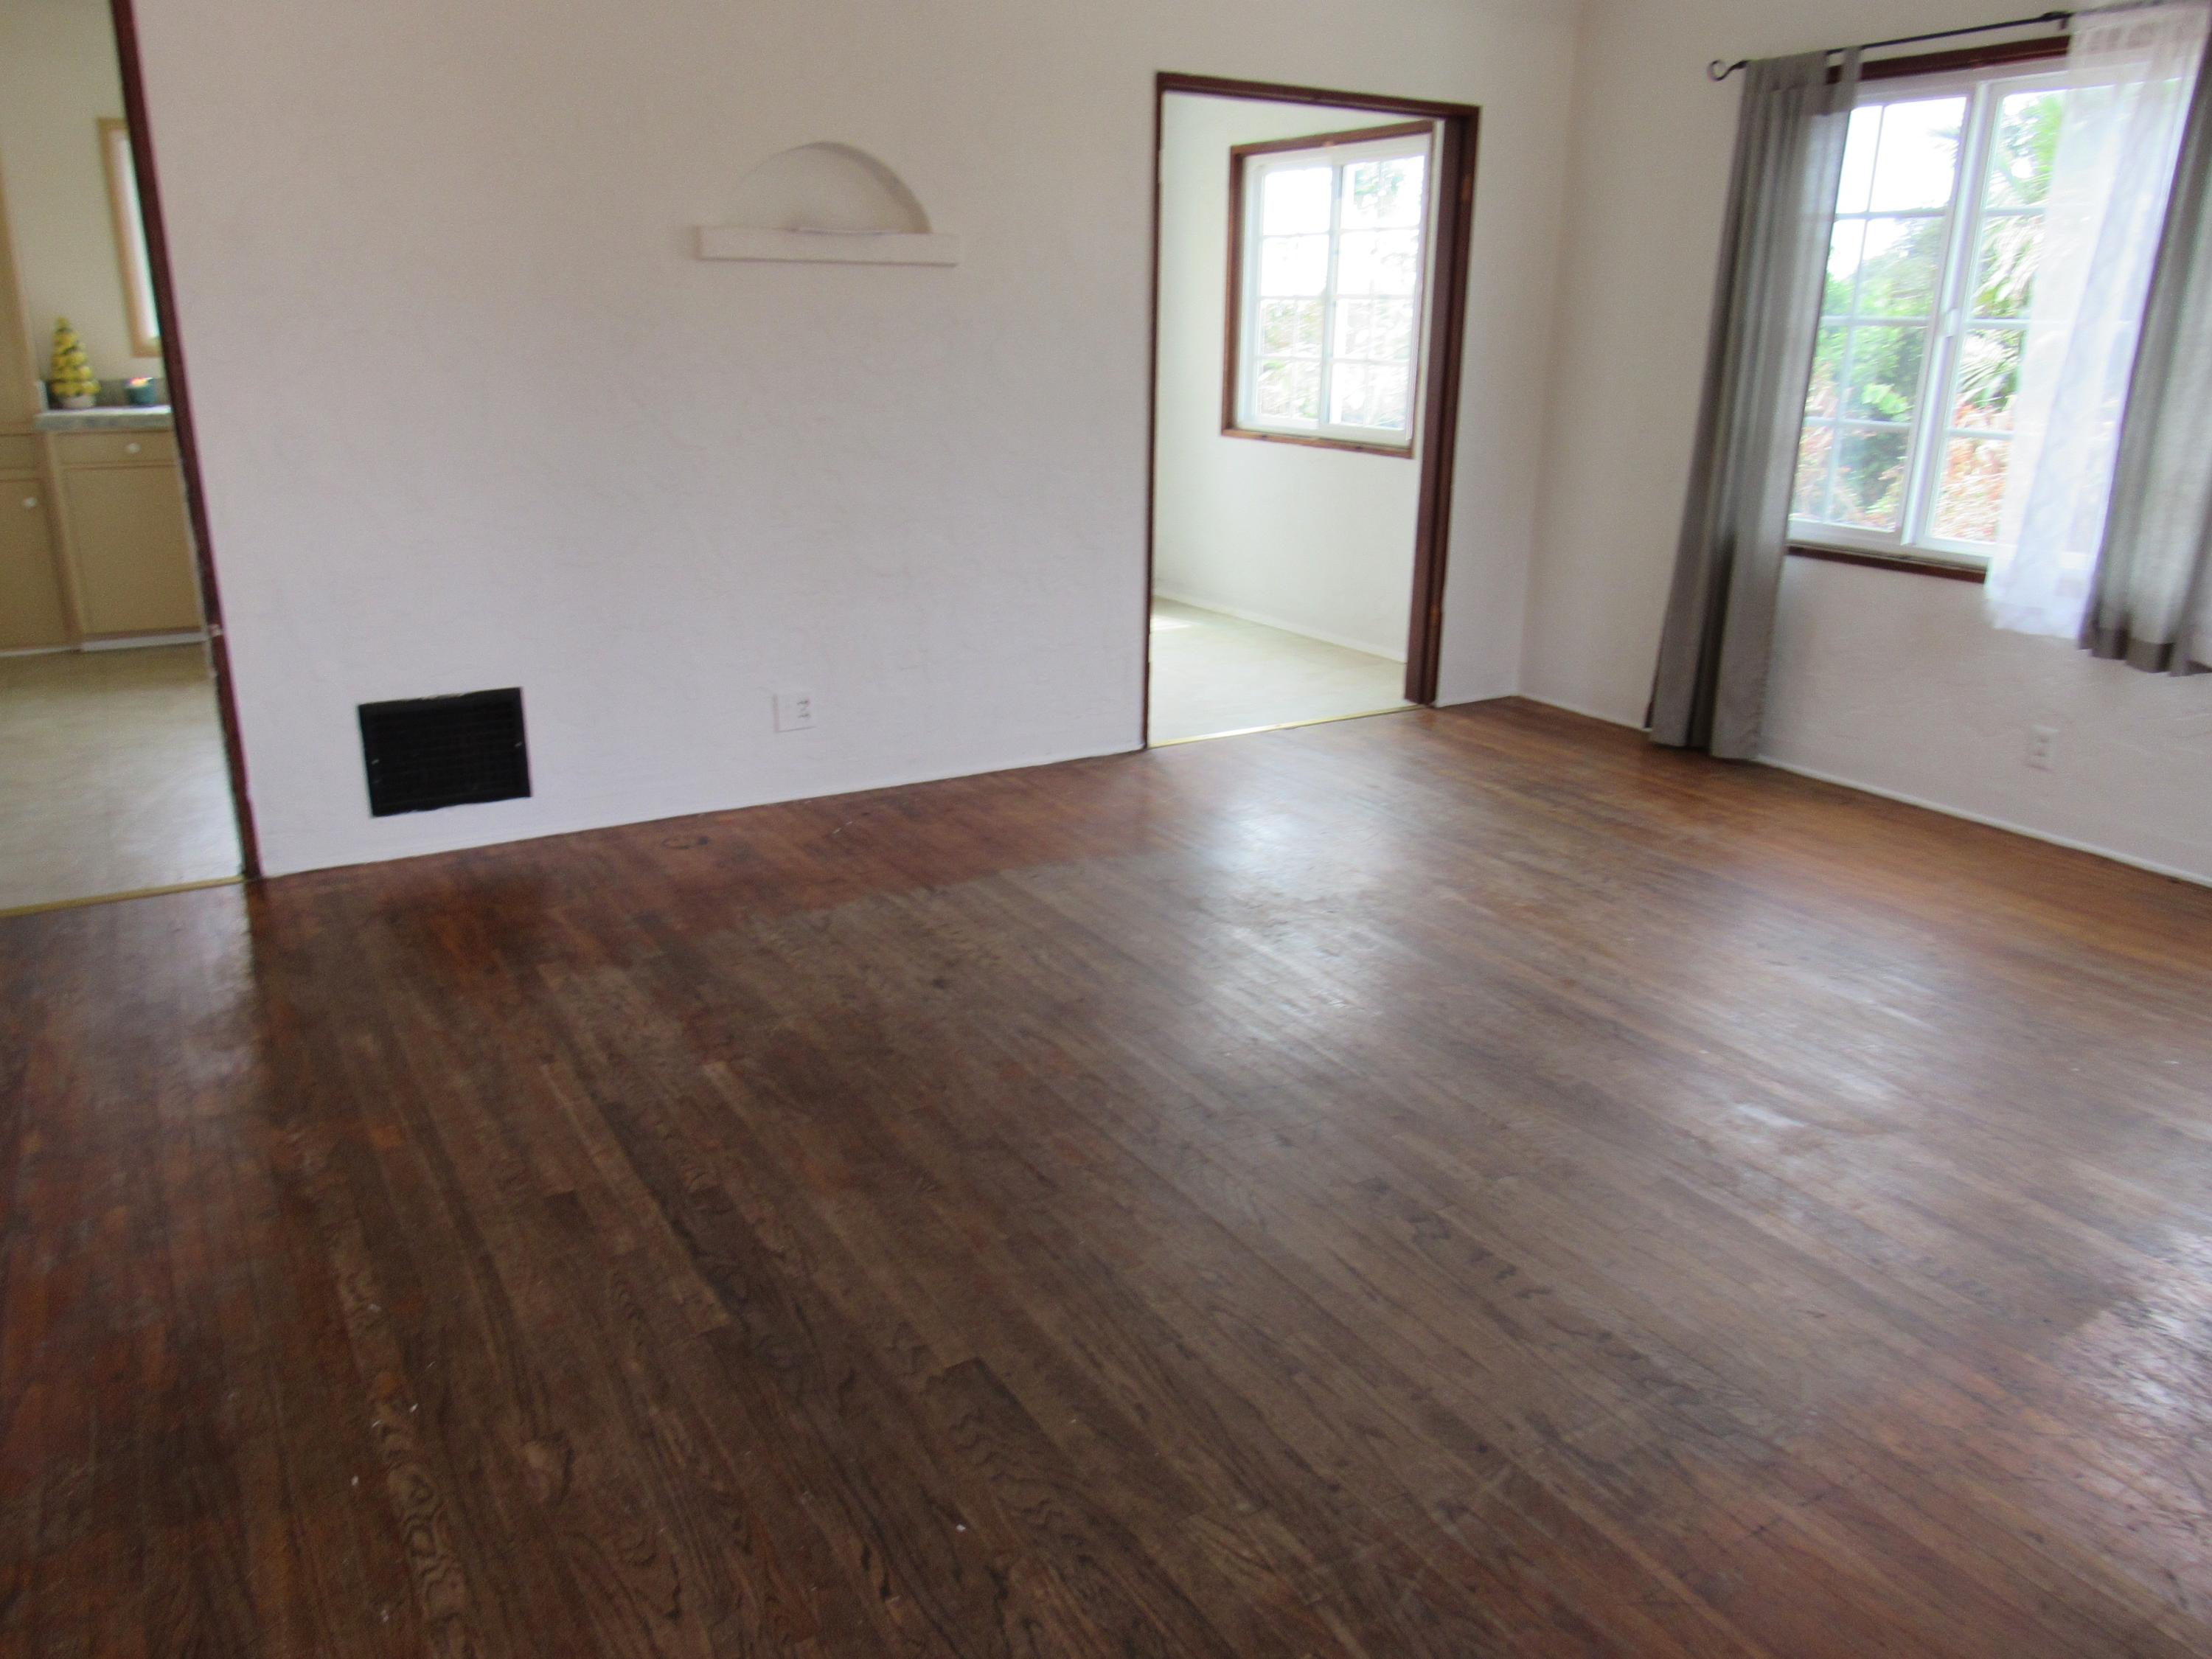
429,752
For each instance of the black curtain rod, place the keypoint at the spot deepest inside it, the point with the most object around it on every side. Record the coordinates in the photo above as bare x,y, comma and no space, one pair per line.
1720,71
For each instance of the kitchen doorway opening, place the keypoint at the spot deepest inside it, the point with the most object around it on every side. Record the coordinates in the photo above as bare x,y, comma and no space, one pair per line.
121,772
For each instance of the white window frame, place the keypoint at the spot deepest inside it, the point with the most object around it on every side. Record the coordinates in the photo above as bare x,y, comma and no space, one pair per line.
1243,419
1937,395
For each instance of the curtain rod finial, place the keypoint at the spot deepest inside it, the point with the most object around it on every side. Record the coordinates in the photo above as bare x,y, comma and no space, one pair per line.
1720,69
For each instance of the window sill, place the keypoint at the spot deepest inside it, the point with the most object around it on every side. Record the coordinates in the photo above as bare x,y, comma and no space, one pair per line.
1403,452
1916,564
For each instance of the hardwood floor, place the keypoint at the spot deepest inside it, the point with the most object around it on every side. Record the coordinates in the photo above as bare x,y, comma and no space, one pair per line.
1441,1184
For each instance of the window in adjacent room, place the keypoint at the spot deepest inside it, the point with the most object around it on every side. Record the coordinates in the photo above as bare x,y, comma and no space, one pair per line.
1909,422
1327,257
130,239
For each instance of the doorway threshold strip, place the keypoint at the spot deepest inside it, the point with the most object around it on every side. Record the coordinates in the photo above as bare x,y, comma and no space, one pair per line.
1288,725
118,898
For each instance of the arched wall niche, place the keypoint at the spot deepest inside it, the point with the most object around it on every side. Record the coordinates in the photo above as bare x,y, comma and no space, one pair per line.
830,203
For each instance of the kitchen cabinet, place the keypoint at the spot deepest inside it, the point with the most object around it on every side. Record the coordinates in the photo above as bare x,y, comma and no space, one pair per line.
32,616
124,539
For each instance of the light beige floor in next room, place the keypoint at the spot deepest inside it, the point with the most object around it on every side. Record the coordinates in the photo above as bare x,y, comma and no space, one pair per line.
1213,674
111,775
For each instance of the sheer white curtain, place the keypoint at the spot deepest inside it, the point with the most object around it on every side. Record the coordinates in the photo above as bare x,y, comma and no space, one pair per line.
2129,76
2150,602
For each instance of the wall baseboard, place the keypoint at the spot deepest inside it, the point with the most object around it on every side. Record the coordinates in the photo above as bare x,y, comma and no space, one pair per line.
1395,654
1986,819
416,836
1577,709
2174,871
132,642
1453,696
145,641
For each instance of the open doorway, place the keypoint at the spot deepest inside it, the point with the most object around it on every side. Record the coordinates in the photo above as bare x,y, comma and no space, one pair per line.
118,768
1311,272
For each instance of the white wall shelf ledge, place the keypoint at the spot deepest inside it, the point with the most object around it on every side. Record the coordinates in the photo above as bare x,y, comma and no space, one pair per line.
848,248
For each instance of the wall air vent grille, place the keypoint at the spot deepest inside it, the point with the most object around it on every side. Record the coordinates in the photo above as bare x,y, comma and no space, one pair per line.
429,752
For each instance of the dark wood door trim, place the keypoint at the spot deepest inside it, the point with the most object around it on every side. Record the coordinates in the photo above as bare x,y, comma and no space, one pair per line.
1455,150
1214,86
180,406
1458,130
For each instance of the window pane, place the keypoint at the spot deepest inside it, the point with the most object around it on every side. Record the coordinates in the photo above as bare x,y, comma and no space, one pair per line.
1858,159
1973,493
2004,281
1288,391
1918,155
1828,370
1289,328
1294,265
1810,499
1377,261
1380,331
1348,396
1393,391
1368,394
2024,140
1869,486
1881,378
1294,201
1383,193
1989,378
1903,258
1846,251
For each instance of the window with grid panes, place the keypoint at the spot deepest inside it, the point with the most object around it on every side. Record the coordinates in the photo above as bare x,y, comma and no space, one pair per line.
1332,247
1908,427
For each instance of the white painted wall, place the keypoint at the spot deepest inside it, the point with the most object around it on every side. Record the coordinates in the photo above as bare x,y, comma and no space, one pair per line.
1318,541
1896,681
1889,681
57,79
472,416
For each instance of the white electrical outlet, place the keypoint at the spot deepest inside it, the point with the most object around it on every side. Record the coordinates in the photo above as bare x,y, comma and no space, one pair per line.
2043,747
795,710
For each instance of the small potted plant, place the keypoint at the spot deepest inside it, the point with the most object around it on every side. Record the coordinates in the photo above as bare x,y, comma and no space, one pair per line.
70,379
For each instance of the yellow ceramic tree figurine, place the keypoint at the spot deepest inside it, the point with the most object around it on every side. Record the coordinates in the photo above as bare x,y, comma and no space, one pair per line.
74,385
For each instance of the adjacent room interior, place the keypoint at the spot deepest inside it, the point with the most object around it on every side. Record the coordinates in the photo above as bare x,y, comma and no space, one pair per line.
114,778
1285,486
685,1057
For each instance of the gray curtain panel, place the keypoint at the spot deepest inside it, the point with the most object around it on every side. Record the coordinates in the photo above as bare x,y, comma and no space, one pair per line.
2150,599
1710,689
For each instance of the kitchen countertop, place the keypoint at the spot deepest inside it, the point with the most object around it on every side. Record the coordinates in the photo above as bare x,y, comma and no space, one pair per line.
109,417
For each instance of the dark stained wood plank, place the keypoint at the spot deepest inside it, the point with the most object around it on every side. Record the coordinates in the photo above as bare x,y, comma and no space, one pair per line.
1444,1183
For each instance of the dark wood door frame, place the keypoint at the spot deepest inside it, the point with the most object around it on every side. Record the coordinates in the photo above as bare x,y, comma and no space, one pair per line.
181,404
1458,129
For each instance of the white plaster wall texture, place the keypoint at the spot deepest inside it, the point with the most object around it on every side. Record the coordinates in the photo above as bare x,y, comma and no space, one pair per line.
472,416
